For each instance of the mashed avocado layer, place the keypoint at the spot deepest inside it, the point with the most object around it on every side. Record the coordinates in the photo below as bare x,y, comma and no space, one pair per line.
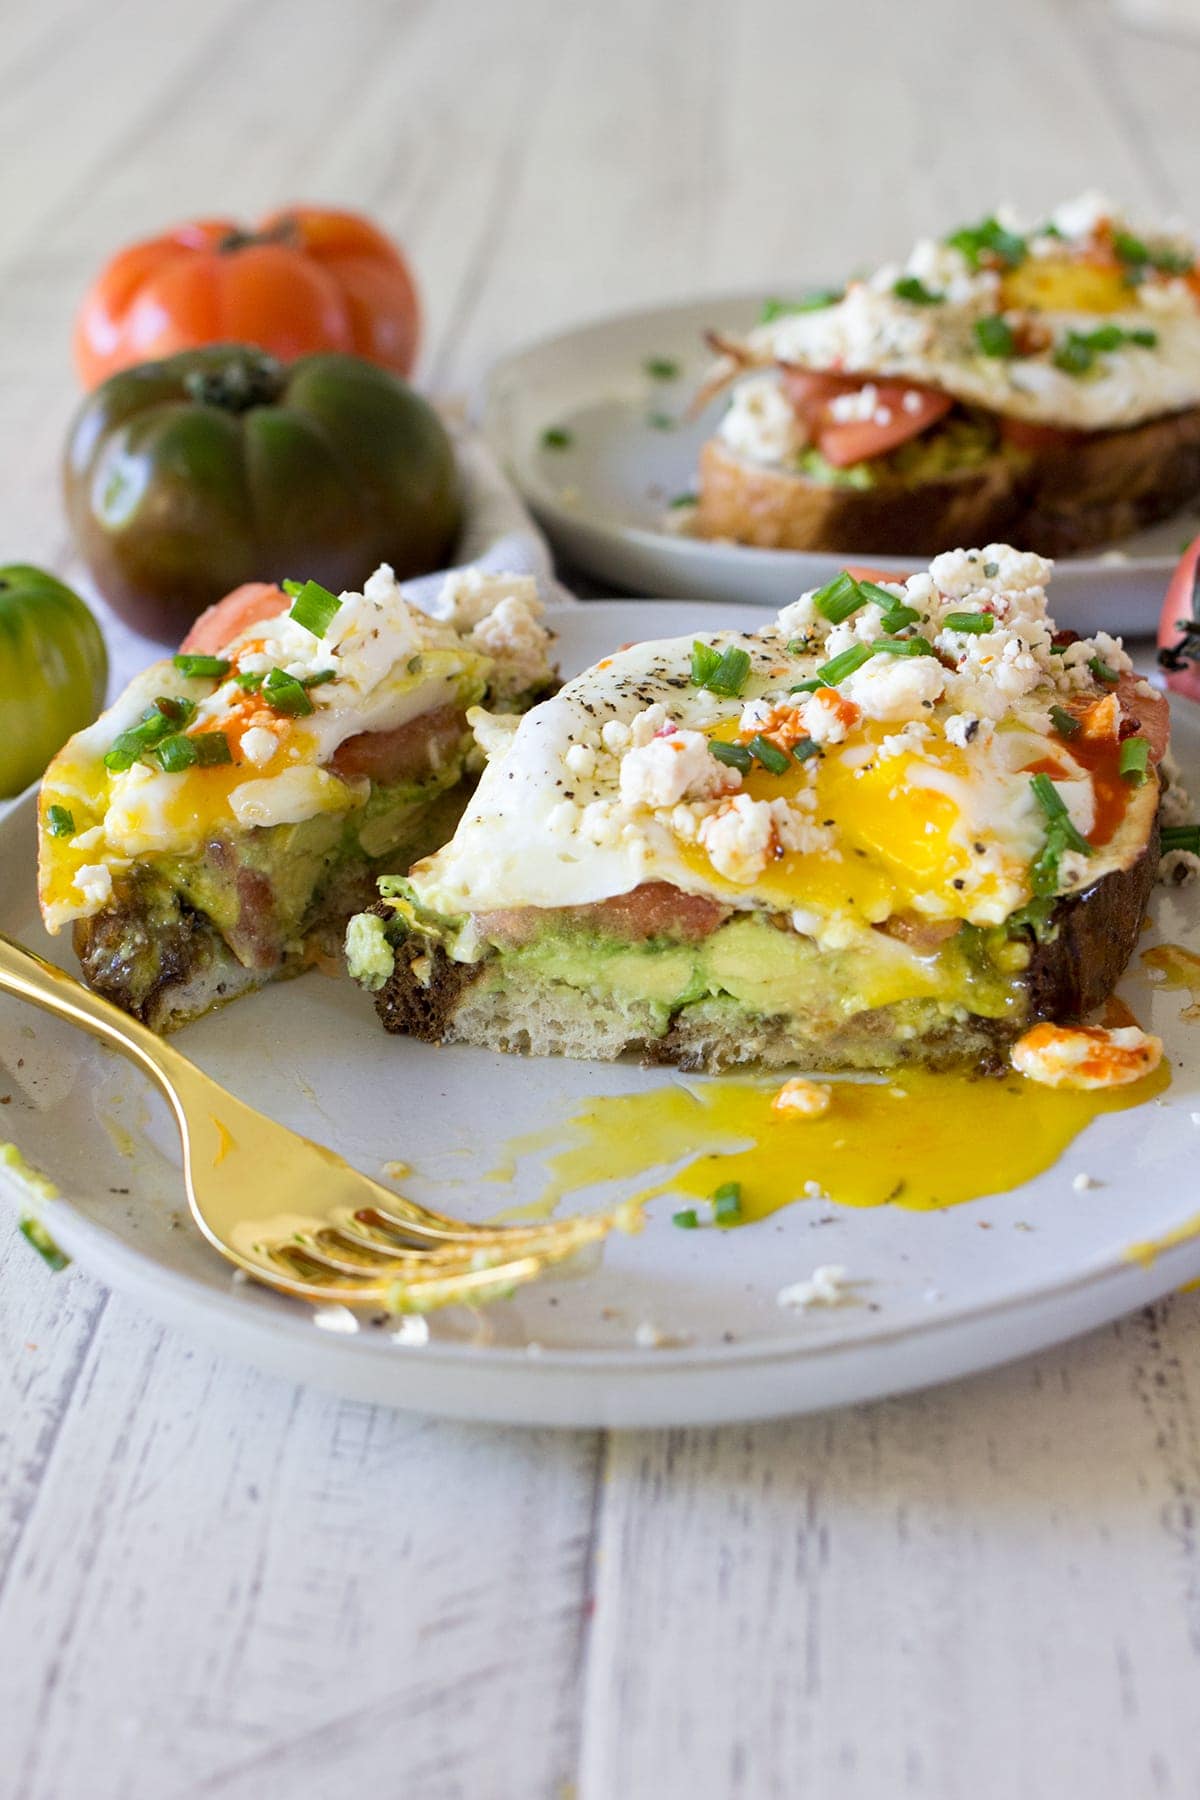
765,970
959,443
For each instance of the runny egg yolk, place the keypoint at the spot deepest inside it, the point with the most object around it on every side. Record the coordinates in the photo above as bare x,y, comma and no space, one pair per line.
1065,284
901,831
919,1140
176,810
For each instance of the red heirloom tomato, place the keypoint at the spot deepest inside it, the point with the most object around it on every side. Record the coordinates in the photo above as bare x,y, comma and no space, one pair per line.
1179,626
306,279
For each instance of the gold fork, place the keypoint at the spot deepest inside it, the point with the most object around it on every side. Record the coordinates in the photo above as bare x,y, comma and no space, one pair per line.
291,1213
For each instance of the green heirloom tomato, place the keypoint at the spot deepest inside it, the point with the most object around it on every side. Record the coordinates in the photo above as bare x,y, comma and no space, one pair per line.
187,477
53,670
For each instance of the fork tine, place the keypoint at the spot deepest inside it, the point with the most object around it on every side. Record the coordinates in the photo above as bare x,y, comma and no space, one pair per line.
332,1250
424,1284
420,1222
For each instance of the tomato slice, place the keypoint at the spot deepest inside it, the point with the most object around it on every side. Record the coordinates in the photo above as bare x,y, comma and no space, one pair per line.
221,623
811,390
901,412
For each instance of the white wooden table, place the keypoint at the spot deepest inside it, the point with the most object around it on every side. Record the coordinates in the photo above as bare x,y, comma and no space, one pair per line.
214,1584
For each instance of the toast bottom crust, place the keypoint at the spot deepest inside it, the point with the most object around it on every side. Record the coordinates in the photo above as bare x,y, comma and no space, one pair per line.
1108,485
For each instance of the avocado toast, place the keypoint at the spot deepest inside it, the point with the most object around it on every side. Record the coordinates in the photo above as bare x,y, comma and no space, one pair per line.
215,828
1040,383
900,824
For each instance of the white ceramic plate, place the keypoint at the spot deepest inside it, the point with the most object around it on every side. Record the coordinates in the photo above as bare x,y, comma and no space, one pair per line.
938,1296
604,497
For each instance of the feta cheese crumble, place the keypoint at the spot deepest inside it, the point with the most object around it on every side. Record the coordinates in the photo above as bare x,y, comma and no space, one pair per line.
828,1285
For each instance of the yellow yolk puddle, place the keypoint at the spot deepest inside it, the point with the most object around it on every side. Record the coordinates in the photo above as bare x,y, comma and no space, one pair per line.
921,1141
1177,968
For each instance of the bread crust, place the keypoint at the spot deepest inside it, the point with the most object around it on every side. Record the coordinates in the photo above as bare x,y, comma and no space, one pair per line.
1055,500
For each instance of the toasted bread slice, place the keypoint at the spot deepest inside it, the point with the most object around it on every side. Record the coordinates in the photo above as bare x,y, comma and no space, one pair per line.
1055,501
899,824
214,829
753,503
1071,971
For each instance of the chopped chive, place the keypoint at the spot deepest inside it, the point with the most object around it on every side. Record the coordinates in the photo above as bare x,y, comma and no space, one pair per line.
1079,349
1138,254
734,756
686,499
177,711
212,748
989,240
994,336
990,570
721,673
313,606
769,755
900,616
727,1203
1061,835
805,747
909,646
283,692
39,1239
807,687
196,667
1133,760
59,822
975,622
1073,356
324,675
913,289
839,598
250,684
555,438
879,595
796,646
661,368
686,1219
1101,670
816,300
896,615
1065,723
205,749
129,745
705,658
661,421
1055,809
1181,837
839,667
174,754
1130,249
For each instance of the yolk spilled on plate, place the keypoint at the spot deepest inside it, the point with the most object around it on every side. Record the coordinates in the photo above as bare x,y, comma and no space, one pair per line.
920,1140
1172,966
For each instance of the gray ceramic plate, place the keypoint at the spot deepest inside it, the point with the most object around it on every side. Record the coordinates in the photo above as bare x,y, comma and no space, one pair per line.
604,496
937,1297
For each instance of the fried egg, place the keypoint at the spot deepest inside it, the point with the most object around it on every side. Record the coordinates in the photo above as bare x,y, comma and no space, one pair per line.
929,815
380,663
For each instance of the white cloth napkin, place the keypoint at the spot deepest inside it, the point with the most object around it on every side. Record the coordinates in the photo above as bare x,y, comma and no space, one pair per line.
498,536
